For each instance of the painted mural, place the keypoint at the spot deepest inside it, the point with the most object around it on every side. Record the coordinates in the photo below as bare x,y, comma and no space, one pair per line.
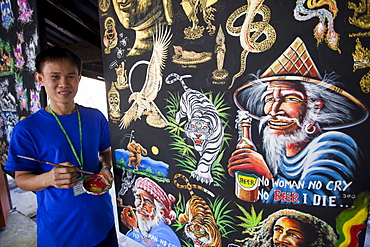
19,44
238,123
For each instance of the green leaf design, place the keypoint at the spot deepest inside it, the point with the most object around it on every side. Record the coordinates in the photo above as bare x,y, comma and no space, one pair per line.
249,220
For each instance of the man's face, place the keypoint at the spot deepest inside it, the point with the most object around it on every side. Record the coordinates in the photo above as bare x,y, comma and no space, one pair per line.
286,104
288,232
60,80
144,204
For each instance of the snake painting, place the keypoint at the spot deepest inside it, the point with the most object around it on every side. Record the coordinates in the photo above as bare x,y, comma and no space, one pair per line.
324,30
251,31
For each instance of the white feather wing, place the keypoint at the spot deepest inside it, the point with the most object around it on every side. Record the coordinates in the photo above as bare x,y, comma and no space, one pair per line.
153,82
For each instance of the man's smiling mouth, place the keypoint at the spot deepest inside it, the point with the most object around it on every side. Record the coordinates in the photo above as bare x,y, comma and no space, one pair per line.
278,123
64,93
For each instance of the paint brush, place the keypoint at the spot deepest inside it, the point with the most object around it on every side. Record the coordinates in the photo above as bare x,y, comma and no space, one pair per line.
50,163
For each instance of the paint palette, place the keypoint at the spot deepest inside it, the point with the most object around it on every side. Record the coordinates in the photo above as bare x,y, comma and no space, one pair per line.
97,184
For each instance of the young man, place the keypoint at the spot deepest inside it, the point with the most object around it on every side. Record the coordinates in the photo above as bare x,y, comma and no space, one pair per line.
74,137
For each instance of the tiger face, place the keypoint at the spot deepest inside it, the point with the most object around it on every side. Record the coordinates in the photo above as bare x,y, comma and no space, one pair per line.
198,233
203,231
199,131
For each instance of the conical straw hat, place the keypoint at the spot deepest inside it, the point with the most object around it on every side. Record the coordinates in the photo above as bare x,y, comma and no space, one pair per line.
296,65
295,60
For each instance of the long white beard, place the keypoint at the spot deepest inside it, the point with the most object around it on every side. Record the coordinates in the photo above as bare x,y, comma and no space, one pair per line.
145,226
274,145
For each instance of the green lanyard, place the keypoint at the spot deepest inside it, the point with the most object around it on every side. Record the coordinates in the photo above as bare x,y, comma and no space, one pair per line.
80,160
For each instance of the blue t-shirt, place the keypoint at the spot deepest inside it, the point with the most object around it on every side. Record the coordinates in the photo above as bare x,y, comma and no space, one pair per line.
64,219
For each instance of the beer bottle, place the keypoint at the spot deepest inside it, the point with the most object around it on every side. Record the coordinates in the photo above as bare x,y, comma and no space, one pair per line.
246,185
245,140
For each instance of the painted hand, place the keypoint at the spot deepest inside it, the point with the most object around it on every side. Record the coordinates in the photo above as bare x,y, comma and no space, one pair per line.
248,161
128,217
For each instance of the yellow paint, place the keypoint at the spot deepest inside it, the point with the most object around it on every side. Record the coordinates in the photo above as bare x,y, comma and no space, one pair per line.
247,181
359,218
155,150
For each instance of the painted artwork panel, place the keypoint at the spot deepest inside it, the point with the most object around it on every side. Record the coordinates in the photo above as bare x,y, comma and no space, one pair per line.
236,123
19,44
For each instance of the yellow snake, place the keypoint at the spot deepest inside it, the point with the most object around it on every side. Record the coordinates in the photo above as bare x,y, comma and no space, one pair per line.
250,31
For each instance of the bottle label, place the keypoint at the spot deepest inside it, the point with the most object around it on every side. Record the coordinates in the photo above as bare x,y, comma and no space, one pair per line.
247,181
246,186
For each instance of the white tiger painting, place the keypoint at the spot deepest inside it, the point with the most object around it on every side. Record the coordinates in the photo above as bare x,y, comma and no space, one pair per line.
203,127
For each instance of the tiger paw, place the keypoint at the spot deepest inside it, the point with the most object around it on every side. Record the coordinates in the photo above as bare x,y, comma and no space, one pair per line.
203,177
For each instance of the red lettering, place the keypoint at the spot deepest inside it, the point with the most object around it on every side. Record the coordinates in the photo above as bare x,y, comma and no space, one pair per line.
285,197
295,197
147,241
277,195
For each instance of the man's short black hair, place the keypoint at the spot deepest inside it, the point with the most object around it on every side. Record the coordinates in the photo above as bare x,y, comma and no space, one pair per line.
55,54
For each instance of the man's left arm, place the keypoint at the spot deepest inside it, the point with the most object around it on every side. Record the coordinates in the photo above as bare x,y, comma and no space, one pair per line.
105,158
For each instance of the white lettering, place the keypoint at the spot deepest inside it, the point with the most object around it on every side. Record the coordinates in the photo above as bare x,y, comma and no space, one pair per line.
263,195
346,185
332,201
304,198
338,185
329,185
323,200
153,237
264,181
288,184
314,185
163,242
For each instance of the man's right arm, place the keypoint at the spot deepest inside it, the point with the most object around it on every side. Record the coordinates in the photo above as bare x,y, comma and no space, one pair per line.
59,177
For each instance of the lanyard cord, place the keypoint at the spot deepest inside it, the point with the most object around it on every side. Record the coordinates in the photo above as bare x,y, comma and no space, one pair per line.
80,160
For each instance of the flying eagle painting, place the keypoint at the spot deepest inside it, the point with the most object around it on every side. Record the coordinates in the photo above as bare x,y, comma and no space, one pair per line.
143,101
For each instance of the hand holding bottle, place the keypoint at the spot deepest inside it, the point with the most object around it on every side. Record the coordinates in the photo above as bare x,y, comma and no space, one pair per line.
246,158
249,161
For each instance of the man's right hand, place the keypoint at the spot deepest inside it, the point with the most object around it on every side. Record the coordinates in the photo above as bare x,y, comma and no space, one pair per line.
59,177
63,176
248,161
